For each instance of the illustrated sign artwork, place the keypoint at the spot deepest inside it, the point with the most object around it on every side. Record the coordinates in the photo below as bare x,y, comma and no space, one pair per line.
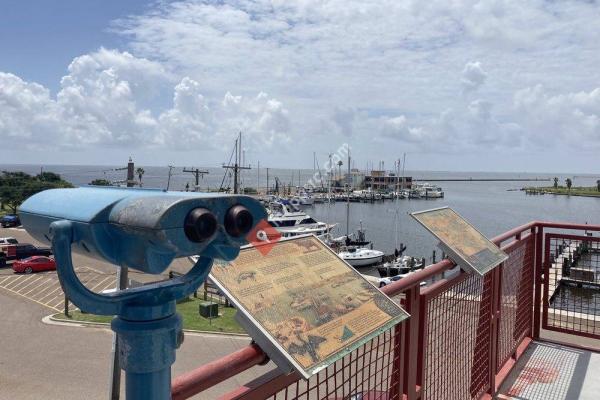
465,245
310,305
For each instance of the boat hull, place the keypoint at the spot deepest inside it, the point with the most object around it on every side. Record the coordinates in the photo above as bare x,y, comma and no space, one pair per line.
363,261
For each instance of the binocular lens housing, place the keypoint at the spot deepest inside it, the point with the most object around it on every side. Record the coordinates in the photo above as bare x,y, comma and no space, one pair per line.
200,225
144,229
238,221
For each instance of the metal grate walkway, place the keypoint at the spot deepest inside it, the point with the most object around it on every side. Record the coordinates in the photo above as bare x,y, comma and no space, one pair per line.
554,372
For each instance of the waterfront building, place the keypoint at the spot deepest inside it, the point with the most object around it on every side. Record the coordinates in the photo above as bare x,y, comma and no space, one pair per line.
383,180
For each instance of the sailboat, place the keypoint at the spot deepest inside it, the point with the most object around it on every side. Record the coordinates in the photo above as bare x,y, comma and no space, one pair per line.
401,264
357,255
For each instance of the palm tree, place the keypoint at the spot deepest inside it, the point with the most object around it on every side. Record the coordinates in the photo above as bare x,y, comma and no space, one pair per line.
569,183
340,163
140,172
555,182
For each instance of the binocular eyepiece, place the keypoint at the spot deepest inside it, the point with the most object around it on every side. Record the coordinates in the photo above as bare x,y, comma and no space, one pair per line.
145,229
238,221
201,224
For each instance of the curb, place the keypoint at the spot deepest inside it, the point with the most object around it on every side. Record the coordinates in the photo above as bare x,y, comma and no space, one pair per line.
51,320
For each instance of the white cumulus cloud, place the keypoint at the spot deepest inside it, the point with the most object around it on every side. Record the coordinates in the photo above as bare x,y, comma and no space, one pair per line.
429,76
102,102
570,118
473,76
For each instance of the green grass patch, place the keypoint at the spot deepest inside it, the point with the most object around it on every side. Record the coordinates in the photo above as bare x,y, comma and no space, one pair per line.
575,190
189,313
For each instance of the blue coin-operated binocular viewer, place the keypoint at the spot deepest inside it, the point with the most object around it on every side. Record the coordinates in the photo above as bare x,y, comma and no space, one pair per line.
143,230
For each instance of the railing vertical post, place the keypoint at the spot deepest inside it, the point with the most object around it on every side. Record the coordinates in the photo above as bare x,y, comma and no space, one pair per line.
397,383
413,340
538,270
495,325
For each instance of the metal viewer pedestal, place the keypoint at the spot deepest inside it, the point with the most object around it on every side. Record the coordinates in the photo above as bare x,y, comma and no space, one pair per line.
148,327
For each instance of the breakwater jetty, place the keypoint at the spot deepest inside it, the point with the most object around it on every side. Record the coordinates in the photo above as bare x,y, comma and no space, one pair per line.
484,179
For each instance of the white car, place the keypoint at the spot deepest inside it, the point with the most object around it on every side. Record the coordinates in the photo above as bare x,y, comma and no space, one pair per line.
389,279
8,240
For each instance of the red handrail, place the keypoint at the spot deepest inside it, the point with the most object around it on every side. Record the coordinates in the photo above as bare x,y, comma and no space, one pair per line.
226,367
217,371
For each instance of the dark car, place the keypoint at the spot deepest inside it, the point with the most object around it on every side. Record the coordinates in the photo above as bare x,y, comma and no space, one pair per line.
26,250
10,220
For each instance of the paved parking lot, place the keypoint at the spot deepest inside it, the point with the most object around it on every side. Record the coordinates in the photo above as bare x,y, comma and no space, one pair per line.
71,362
44,287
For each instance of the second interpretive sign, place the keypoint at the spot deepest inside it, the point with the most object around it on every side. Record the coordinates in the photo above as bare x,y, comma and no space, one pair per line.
465,245
307,307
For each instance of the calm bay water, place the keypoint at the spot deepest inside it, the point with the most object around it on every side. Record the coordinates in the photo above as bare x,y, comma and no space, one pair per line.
489,206
492,207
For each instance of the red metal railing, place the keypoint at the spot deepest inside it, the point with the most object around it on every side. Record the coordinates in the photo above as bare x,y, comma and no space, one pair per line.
571,299
464,335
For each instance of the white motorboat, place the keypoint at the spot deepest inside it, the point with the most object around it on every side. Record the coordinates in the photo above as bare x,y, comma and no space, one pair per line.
291,221
400,265
304,199
320,198
361,256
404,263
429,191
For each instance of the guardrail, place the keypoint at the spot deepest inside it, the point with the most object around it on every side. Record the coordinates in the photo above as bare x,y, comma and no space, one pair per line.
464,336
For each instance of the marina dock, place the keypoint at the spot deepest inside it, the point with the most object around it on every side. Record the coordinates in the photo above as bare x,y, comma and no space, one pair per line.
566,274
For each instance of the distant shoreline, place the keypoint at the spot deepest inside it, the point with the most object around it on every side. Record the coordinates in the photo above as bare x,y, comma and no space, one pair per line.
563,191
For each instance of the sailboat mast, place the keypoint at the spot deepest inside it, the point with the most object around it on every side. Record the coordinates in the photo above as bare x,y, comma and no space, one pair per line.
348,197
328,190
403,165
235,168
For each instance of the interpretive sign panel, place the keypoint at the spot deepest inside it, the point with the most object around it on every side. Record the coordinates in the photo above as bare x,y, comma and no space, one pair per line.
304,302
465,245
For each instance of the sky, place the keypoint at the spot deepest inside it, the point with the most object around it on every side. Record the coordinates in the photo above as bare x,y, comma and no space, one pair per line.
459,85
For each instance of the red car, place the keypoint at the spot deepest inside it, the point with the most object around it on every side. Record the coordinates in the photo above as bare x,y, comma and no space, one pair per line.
34,264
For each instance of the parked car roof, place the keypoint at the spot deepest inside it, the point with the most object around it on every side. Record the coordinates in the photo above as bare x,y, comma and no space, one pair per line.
33,258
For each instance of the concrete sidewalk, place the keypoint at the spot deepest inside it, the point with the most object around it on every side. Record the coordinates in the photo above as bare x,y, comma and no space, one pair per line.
40,361
72,363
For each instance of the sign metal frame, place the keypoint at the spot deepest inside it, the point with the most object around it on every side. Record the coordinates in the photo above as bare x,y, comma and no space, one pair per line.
455,255
275,350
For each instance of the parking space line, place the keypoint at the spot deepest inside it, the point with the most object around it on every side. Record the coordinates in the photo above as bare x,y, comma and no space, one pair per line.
21,280
94,270
46,281
16,279
92,281
101,282
45,288
52,286
30,283
111,285
61,303
48,294
5,279
29,298
51,304
24,283
52,299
